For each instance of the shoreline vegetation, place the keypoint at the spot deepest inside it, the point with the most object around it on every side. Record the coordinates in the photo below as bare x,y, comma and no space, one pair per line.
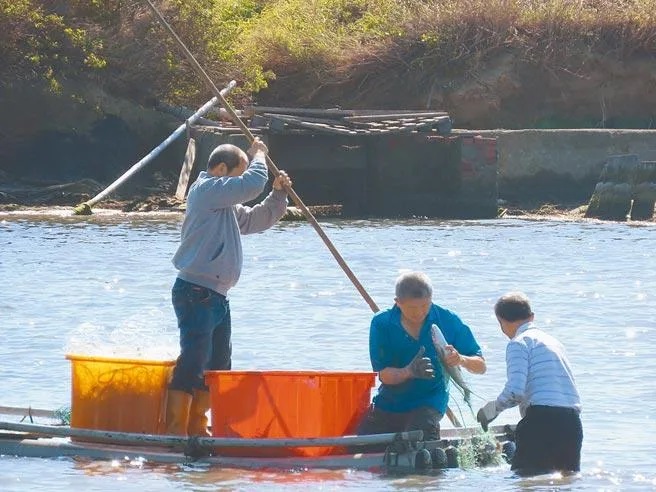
41,198
61,200
166,203
351,53
102,70
111,209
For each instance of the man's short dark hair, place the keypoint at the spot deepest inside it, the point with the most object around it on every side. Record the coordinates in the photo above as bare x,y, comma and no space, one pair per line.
513,306
229,154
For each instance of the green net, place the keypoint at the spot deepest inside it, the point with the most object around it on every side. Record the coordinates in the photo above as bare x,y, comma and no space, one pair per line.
482,449
64,415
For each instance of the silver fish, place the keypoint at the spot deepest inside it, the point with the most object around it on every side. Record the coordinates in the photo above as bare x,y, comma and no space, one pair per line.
453,372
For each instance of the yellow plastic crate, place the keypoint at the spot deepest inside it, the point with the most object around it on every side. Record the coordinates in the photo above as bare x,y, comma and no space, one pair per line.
126,395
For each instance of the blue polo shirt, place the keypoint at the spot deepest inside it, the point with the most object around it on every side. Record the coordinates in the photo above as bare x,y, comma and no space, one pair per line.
391,346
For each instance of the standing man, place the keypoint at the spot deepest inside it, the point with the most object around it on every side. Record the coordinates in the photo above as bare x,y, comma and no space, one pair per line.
540,381
413,394
209,262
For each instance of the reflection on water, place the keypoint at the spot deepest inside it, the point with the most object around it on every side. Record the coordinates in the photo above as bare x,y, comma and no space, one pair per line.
101,285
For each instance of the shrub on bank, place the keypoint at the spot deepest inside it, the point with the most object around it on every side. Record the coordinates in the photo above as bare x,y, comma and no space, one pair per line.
339,42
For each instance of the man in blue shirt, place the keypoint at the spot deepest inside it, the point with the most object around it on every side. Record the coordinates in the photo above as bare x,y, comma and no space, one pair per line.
414,393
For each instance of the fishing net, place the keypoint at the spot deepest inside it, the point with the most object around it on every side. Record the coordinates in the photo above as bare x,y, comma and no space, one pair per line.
483,449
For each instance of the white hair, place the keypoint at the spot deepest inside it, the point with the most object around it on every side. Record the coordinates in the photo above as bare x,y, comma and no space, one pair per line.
413,285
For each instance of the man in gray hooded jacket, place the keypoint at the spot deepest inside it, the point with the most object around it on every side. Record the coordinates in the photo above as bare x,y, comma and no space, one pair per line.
209,262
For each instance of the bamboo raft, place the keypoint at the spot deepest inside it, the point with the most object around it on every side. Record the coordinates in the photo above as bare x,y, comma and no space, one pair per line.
403,452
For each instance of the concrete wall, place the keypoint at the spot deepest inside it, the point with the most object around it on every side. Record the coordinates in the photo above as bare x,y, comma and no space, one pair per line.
404,174
532,166
560,165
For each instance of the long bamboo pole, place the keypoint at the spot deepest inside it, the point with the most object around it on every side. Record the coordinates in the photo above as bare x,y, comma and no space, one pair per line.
272,167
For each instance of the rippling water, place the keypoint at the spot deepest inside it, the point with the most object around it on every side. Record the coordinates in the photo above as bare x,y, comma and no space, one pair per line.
102,285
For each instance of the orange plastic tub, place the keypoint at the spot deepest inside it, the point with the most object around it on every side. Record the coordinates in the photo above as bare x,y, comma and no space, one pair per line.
287,404
126,395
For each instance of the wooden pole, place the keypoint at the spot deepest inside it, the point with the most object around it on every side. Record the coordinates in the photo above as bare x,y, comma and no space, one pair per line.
452,417
272,167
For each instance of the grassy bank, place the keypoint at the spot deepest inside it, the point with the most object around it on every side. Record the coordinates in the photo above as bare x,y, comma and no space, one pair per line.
355,53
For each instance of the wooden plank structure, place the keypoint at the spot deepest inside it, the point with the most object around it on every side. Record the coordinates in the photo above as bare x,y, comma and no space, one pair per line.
352,123
381,163
626,190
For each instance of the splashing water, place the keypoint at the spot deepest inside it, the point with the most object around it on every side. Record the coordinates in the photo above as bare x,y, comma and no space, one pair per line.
139,337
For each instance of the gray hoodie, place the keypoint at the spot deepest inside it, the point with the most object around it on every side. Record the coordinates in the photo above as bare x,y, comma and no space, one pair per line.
210,251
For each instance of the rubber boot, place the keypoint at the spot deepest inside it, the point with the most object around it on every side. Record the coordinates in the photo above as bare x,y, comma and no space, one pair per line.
200,405
178,404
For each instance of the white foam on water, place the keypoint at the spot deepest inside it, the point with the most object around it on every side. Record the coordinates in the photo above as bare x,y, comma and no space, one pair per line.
144,336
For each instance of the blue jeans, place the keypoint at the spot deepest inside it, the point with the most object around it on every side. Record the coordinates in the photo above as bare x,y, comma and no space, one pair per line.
205,335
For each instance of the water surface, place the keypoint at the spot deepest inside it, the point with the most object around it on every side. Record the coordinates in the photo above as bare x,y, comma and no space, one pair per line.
101,285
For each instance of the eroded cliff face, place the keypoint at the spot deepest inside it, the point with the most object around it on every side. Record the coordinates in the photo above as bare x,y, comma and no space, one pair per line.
506,91
85,133
594,93
80,132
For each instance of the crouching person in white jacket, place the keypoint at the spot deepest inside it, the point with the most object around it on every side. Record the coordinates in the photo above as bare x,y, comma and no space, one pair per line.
548,438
